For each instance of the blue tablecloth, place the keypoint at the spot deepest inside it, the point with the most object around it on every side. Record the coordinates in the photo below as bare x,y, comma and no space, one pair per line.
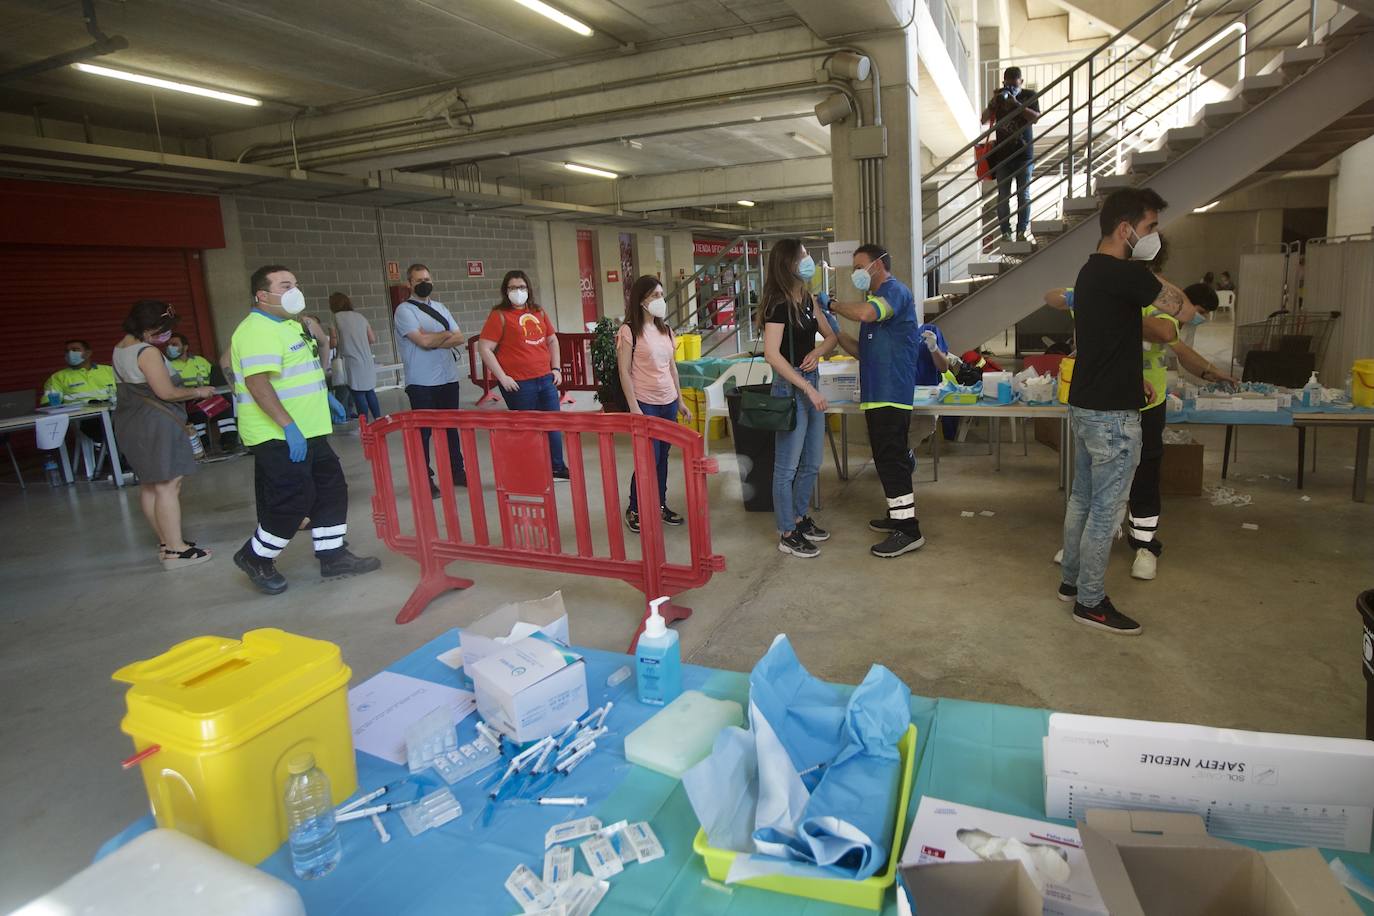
975,753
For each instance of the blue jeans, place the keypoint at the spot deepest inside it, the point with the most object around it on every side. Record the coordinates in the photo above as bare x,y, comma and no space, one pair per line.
539,394
798,456
366,403
667,412
1107,446
1016,170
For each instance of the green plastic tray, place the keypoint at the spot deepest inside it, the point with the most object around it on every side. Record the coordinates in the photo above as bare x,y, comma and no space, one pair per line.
868,893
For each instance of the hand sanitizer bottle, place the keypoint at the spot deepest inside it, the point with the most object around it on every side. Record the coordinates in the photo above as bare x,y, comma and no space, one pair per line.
1312,392
658,660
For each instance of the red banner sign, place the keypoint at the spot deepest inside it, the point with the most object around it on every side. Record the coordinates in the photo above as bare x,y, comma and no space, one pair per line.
710,248
586,275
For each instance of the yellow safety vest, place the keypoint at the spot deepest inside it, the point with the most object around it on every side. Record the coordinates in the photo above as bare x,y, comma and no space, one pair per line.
194,371
284,348
78,386
1156,367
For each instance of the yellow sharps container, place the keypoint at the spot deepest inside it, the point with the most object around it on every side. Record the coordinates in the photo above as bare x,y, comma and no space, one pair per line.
216,721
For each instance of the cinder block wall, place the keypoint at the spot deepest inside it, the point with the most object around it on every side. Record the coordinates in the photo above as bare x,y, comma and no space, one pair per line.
339,248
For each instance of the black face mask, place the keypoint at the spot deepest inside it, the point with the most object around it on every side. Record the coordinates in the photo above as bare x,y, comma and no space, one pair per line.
423,289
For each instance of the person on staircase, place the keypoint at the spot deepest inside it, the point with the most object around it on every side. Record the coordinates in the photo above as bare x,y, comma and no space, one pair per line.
1013,110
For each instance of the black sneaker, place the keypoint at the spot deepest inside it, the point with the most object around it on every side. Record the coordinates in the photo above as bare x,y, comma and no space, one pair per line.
343,563
808,529
562,475
898,543
798,546
261,572
1106,617
433,489
460,480
632,520
1068,592
670,517
882,525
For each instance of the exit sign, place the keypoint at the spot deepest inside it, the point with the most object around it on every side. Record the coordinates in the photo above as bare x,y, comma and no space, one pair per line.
612,276
475,269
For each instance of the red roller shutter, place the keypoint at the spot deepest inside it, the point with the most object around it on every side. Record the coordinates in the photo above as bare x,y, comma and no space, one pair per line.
52,293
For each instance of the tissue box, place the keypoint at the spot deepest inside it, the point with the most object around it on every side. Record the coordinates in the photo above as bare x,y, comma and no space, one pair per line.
938,838
1155,863
530,688
512,622
1180,470
839,380
992,386
1213,402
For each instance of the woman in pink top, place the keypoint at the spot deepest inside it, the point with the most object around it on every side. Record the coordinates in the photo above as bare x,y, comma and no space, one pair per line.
648,374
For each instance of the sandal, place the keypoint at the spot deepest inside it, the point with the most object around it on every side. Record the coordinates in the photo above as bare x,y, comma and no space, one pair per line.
191,556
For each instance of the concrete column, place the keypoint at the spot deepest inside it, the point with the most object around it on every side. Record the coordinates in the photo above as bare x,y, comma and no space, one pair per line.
899,191
555,251
226,278
611,294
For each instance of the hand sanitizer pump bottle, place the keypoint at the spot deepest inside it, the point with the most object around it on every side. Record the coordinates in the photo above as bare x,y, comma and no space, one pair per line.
658,660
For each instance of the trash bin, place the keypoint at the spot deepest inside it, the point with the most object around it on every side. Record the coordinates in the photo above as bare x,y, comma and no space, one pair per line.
1365,604
756,449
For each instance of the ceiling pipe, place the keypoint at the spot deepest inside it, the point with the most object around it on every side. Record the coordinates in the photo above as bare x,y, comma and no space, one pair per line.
103,44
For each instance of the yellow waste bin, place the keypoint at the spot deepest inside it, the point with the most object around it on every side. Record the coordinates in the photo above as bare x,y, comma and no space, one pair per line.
216,721
1362,383
1065,377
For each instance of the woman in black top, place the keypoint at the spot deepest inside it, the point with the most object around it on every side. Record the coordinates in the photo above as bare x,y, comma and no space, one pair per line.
789,325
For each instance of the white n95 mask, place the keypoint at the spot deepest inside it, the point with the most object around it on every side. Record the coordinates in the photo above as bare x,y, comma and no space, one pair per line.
518,297
657,307
293,301
1146,247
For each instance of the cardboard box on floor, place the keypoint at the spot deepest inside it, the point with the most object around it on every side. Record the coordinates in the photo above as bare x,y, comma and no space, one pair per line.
1153,863
1180,470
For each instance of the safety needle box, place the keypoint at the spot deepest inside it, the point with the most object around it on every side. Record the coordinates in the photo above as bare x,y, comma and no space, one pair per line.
530,688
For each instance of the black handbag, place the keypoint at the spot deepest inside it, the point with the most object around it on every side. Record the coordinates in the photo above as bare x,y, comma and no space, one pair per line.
759,408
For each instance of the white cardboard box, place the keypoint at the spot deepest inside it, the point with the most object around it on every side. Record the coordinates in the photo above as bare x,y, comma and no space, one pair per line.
939,834
511,623
530,688
840,380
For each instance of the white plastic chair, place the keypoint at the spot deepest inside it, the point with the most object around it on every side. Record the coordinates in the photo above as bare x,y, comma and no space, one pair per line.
1226,301
743,372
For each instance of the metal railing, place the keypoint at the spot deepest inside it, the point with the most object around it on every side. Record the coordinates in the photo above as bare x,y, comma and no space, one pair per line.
1094,113
947,24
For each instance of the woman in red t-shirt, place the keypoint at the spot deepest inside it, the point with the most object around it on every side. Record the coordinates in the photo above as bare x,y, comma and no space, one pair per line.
518,344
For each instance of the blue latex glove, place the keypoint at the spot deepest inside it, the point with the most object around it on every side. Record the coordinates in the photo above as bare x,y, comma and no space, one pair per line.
295,443
824,300
336,410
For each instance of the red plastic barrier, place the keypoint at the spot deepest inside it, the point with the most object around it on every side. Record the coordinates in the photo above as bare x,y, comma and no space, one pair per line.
526,503
575,362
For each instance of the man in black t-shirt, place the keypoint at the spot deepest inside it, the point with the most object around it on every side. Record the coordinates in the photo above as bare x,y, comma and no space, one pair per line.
1106,395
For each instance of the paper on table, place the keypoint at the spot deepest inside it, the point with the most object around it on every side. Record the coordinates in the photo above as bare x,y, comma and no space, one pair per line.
383,707
453,657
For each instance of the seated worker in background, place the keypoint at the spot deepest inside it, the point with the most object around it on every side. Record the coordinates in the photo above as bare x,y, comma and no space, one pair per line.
1224,282
194,372
82,381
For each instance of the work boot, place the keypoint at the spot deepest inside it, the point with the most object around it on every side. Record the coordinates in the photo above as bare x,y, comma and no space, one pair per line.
343,563
261,572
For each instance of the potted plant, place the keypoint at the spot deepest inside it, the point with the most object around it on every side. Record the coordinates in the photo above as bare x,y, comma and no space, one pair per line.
605,369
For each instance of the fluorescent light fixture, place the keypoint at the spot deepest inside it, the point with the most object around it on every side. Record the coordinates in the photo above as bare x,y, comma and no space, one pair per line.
1206,207
557,16
168,84
808,143
745,203
588,170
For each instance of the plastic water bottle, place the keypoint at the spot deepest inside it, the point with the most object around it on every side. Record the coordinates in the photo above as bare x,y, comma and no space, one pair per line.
52,473
313,835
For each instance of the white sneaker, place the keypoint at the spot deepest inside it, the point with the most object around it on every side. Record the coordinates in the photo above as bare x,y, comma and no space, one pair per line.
1059,557
1144,565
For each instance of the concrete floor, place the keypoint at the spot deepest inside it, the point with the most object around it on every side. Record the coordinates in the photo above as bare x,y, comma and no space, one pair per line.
1248,629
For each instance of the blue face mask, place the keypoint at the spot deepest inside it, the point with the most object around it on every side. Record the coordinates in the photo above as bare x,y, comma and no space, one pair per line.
861,279
75,358
806,269
1197,319
173,352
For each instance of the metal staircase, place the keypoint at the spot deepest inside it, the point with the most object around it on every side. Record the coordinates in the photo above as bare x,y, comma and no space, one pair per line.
1168,123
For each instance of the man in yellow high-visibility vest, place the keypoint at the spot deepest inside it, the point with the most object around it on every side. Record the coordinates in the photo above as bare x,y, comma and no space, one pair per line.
284,418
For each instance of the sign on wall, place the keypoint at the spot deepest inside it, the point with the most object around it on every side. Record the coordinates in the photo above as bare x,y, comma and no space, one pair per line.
612,276
586,275
710,248
475,269
393,271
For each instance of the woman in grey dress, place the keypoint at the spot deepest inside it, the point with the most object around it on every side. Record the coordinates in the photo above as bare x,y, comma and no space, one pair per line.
150,424
354,338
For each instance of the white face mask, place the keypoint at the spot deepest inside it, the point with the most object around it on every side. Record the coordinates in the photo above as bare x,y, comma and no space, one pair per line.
657,307
518,297
1146,247
293,301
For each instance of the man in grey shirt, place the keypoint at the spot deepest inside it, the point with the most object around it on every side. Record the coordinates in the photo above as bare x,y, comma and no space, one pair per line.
426,336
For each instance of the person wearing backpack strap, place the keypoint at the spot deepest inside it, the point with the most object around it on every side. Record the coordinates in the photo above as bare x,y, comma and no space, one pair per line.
426,338
644,347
